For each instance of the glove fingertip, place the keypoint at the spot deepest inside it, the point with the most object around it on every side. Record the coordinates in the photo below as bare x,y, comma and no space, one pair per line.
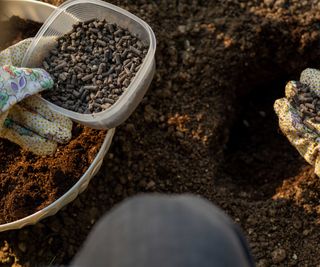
280,104
311,77
33,143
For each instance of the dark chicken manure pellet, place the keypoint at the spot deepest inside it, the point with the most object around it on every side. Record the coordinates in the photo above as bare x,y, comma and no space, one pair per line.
307,103
93,65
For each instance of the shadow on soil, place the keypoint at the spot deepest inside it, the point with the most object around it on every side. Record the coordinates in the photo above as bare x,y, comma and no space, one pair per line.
258,157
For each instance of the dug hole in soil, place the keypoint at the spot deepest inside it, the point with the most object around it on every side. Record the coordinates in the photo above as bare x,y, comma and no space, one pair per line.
207,127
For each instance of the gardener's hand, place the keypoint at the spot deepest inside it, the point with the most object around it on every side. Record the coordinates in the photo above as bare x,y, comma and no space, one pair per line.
30,124
298,118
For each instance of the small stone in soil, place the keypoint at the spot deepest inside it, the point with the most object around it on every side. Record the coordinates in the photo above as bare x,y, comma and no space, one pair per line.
278,255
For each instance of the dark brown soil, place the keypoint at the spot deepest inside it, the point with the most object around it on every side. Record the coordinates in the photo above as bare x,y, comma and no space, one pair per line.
28,183
22,29
207,127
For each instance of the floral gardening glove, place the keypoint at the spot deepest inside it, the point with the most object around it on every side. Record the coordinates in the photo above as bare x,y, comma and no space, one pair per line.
299,116
30,124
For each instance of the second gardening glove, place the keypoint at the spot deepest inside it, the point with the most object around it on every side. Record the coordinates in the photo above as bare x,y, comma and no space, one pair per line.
299,116
30,123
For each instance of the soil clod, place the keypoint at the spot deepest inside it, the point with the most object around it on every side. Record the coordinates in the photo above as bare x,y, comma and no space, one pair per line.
279,255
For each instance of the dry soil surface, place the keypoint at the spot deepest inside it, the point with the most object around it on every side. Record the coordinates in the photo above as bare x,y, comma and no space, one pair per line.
206,126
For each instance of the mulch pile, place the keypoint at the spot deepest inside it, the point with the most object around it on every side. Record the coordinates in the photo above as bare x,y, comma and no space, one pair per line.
206,126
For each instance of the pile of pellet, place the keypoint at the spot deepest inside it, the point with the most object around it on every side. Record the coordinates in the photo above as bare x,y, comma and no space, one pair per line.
307,103
93,65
